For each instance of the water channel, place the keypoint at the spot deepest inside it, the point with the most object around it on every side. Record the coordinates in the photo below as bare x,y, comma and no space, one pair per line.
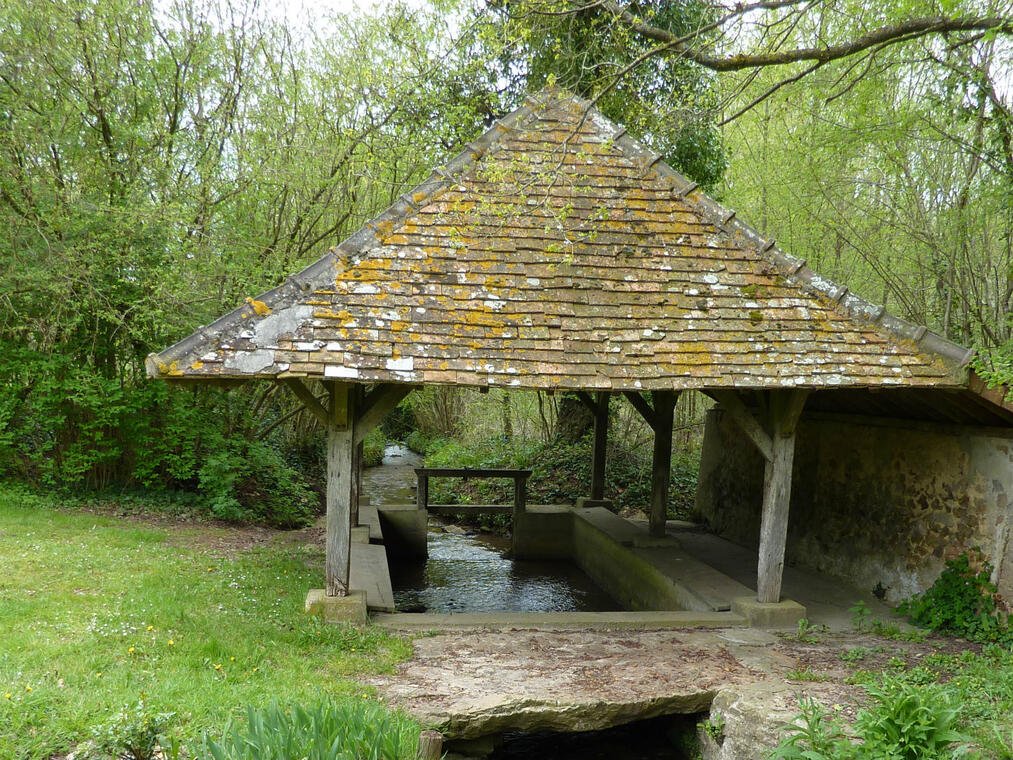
470,572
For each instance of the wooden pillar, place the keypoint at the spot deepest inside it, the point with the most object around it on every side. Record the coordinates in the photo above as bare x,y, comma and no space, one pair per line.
520,504
785,408
601,434
661,467
341,484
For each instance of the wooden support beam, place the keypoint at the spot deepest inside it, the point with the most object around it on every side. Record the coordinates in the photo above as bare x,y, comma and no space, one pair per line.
601,434
736,408
785,409
378,403
341,484
661,469
305,395
641,405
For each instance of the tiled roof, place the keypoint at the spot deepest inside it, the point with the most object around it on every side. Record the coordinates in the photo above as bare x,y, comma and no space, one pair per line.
557,252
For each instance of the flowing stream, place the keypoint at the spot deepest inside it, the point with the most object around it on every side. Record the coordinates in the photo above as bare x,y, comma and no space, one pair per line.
469,571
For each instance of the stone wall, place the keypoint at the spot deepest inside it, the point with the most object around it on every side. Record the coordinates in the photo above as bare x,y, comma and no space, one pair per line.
873,502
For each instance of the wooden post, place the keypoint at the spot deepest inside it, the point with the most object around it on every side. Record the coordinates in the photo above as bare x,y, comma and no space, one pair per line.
520,504
357,489
340,486
601,433
422,492
430,745
785,408
661,470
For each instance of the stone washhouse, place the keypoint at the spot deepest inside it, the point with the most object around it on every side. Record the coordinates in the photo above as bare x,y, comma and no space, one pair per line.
557,253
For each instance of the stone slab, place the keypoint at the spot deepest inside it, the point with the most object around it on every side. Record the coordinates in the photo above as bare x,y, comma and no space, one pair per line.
360,534
615,527
368,572
337,609
783,614
410,621
369,517
478,683
714,590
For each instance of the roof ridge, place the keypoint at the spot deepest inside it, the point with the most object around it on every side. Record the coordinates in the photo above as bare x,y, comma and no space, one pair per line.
727,222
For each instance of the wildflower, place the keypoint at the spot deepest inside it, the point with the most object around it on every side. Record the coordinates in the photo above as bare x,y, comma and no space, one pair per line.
28,688
218,667
99,674
7,695
130,651
151,627
171,642
232,659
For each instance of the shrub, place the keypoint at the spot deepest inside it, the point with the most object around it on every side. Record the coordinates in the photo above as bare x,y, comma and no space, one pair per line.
962,602
328,730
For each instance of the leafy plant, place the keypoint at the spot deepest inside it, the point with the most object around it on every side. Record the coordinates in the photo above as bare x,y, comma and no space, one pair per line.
134,733
329,730
812,735
714,727
908,722
962,601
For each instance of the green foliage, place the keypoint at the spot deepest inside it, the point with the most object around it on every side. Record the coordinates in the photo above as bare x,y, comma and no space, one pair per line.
561,472
715,728
134,733
331,729
812,736
667,101
906,722
208,156
962,602
372,447
909,722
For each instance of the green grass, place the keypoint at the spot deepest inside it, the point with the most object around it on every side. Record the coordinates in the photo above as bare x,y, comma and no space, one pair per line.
97,612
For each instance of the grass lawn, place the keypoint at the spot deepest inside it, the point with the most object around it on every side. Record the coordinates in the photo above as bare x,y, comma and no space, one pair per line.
98,611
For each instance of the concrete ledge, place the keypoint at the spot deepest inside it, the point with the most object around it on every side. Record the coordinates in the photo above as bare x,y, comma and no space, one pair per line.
337,609
783,614
559,620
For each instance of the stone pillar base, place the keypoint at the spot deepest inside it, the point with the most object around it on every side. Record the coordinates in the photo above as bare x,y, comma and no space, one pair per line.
783,614
583,502
338,609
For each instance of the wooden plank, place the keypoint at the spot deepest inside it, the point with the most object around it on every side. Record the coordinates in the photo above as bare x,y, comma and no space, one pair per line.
661,463
738,411
305,395
785,408
640,404
340,488
598,453
378,403
369,572
470,472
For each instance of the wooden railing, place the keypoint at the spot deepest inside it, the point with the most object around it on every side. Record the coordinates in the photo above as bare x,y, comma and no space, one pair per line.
519,477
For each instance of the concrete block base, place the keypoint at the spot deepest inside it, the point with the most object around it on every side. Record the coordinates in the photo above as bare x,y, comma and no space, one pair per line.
338,609
360,534
783,614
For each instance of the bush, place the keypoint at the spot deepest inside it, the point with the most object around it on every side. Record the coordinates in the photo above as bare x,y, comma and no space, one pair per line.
328,730
962,602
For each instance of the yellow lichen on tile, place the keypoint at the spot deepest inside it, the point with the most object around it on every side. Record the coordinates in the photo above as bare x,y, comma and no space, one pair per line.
261,308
